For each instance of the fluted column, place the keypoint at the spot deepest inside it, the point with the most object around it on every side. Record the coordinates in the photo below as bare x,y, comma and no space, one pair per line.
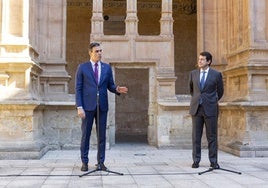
166,21
131,19
97,18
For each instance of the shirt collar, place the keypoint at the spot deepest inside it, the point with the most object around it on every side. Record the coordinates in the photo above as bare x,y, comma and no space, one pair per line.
201,70
93,63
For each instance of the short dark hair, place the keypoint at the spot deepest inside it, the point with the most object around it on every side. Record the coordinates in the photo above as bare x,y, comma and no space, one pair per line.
92,45
207,55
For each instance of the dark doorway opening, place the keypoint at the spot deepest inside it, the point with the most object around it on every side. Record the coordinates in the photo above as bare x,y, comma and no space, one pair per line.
131,114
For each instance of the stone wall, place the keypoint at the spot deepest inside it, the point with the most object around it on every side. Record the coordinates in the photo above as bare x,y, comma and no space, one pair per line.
61,125
243,128
21,133
174,125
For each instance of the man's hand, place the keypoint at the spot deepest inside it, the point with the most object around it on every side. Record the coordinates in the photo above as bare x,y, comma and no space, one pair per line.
122,89
81,113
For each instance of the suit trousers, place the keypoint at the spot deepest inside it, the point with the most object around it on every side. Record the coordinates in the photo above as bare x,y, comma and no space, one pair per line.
210,122
86,128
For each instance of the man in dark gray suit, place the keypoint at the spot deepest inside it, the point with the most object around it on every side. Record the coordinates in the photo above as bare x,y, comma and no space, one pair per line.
206,89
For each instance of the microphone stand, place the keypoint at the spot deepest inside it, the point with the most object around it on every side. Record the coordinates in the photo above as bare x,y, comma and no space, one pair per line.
99,168
211,169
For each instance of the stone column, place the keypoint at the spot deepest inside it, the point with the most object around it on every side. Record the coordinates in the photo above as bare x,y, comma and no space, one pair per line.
3,35
165,73
131,22
210,27
97,19
131,19
52,43
19,84
165,76
21,71
166,22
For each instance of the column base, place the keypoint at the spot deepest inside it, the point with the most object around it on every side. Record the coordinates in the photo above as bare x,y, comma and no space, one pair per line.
241,150
19,150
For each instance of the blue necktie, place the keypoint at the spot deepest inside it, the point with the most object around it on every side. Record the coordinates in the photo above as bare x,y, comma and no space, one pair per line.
96,73
202,82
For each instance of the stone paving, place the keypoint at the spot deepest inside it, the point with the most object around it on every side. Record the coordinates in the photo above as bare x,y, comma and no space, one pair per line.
142,166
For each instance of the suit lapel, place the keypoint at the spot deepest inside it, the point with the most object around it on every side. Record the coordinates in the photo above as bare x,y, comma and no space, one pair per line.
208,77
91,72
197,78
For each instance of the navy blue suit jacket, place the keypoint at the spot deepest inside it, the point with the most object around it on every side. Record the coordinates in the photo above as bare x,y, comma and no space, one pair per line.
210,94
87,87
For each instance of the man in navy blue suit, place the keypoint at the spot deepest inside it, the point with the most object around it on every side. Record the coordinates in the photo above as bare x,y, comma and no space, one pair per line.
93,79
206,89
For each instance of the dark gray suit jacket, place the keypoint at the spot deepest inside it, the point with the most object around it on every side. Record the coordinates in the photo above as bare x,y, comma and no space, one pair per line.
211,93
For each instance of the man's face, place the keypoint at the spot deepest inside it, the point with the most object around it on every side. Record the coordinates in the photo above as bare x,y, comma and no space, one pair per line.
202,62
95,54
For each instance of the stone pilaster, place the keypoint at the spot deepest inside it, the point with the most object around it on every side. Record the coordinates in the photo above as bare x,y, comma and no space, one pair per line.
19,74
51,36
20,80
239,45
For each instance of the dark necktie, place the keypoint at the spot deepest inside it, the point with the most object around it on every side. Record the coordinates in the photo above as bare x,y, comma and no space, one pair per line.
96,72
202,82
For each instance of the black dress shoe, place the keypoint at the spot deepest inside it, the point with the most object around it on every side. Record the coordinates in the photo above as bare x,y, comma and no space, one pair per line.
195,165
84,167
214,165
102,166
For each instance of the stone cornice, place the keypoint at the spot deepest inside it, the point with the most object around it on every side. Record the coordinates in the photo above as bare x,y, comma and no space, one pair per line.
246,105
183,7
248,51
24,51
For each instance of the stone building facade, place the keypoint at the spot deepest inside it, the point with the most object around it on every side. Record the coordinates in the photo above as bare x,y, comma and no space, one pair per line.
151,47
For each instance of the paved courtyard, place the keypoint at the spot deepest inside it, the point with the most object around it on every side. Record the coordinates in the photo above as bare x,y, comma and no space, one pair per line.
141,165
